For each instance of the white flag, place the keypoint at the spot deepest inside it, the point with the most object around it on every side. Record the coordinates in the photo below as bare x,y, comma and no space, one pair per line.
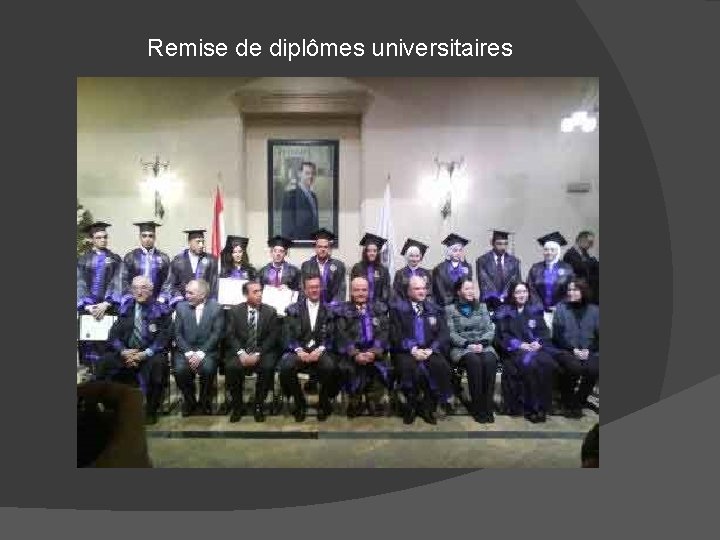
385,230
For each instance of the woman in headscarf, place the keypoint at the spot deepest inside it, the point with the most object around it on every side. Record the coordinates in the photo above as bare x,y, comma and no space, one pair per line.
548,279
576,334
471,336
414,252
453,268
372,269
234,259
527,351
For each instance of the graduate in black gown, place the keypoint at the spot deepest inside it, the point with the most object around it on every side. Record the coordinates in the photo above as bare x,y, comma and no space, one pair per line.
234,260
147,260
496,270
448,272
363,333
548,279
372,269
278,272
585,265
527,355
576,334
330,270
99,286
192,263
414,253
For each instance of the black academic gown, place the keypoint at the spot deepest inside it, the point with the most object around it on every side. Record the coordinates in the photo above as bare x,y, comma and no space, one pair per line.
493,286
378,280
181,274
402,280
444,279
289,276
548,285
333,280
134,264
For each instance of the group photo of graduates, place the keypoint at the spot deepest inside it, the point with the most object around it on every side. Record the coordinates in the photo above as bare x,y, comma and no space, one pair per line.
420,336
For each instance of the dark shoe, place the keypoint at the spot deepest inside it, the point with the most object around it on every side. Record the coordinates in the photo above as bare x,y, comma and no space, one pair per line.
236,414
300,412
188,409
573,413
259,413
408,414
428,415
324,410
353,408
151,418
490,417
204,409
541,417
531,417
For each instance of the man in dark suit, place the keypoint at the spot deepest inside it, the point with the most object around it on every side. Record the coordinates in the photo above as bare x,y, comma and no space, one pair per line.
198,329
307,340
585,265
331,271
300,206
420,338
253,335
192,263
496,270
138,345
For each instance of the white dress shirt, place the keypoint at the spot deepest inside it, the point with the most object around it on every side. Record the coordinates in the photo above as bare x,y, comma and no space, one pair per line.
313,308
194,261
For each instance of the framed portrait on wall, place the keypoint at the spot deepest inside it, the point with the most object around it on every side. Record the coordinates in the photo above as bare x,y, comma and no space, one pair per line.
302,188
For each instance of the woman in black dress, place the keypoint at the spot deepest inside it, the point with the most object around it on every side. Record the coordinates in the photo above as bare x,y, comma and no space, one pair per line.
234,259
527,351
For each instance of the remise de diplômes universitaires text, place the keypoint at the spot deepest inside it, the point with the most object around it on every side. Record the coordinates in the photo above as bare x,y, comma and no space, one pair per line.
312,48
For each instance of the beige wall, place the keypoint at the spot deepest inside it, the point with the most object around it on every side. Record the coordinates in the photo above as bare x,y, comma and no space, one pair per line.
517,163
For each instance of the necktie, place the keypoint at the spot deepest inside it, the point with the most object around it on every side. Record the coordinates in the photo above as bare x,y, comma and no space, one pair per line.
252,331
499,274
146,270
277,276
137,327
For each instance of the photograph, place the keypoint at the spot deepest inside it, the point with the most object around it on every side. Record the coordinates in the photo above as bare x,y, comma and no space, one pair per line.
302,188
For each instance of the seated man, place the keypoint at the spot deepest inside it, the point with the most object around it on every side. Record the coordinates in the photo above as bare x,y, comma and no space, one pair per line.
306,341
419,337
138,345
363,331
198,328
253,337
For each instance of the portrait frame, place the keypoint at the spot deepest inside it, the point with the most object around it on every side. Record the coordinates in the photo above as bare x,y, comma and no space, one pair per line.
290,208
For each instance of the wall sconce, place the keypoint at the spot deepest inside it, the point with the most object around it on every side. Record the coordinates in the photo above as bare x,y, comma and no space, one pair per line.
579,119
444,182
158,182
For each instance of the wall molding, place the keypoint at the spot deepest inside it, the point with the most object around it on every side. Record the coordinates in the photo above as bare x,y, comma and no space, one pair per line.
258,102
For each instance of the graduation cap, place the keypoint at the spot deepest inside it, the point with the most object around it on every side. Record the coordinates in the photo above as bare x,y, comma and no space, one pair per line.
279,240
413,243
552,237
195,233
233,241
453,239
147,226
500,235
98,226
370,238
323,234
